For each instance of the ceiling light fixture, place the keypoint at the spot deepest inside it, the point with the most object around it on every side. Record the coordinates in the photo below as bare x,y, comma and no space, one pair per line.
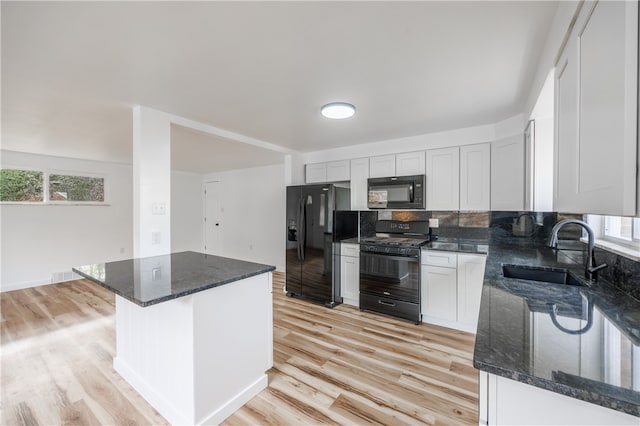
338,110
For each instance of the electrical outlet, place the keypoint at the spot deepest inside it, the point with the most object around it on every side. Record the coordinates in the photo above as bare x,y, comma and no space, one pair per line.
155,237
158,209
434,223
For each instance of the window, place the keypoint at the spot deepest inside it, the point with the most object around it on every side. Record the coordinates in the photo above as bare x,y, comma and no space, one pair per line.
616,232
75,188
21,185
40,187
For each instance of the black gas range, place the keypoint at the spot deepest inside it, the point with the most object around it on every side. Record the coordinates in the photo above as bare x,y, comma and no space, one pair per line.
390,269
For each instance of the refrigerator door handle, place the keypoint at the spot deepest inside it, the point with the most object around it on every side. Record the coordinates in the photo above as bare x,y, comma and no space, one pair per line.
301,229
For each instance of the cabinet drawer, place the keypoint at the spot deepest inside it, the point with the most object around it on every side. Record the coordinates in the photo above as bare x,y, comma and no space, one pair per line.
350,250
439,258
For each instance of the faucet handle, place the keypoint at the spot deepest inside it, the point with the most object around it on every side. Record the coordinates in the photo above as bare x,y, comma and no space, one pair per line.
593,269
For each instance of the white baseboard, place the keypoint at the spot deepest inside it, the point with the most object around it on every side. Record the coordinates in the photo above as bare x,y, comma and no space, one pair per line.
171,413
230,407
157,401
21,286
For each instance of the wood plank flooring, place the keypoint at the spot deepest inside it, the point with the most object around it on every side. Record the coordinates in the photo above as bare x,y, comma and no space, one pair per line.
335,367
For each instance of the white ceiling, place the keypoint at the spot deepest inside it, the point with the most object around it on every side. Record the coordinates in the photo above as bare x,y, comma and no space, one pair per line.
71,72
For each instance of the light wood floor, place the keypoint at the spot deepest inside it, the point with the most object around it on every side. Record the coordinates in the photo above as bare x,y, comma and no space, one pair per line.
339,366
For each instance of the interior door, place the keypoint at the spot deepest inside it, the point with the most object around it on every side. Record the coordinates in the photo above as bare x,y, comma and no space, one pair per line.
212,225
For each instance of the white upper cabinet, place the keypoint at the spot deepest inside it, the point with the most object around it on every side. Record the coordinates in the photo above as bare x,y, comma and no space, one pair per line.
359,190
410,163
475,177
382,166
597,112
443,179
507,174
338,171
315,173
334,171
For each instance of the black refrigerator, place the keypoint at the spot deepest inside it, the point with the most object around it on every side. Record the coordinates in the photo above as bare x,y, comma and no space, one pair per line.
317,219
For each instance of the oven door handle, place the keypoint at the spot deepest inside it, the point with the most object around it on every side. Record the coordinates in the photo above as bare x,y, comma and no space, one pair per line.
413,258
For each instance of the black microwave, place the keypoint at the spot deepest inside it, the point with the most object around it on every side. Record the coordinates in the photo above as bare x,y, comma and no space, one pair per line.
402,192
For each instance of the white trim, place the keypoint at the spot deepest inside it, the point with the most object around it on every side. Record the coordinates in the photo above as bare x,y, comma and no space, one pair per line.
619,250
54,203
23,285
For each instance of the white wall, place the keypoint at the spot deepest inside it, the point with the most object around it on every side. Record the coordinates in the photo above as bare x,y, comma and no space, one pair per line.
39,240
253,214
187,212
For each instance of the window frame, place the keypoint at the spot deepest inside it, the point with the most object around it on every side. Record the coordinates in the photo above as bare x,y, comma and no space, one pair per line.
46,201
77,174
626,248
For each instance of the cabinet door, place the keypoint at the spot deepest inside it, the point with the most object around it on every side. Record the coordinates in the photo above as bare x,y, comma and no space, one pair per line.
507,174
443,179
597,112
359,176
382,166
338,171
470,280
315,173
349,280
475,177
410,163
439,292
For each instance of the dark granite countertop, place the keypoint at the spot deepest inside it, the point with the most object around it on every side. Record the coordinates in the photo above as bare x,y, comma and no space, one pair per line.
150,280
579,341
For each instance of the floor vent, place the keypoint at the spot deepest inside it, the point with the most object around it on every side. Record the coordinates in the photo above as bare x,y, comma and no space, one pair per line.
58,277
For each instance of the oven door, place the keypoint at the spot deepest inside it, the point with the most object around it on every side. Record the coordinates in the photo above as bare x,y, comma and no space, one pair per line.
395,277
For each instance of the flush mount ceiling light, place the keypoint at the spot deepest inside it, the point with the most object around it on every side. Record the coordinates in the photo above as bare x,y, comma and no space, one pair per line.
338,110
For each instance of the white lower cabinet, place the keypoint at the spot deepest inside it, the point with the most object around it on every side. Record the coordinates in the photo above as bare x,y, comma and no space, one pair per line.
350,274
451,288
470,279
440,293
508,402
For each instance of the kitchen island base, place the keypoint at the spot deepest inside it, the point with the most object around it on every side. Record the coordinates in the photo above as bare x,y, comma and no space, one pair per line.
198,358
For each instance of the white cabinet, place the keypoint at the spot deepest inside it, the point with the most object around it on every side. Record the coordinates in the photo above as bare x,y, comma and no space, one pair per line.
410,163
440,293
382,166
470,280
315,173
350,273
596,82
475,177
443,179
359,176
334,171
508,174
338,171
451,288
508,402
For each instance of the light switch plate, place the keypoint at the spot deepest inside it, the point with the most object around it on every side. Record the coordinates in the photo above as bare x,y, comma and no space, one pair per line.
434,223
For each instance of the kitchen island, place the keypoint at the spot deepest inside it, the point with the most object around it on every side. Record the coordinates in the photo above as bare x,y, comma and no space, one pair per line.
194,332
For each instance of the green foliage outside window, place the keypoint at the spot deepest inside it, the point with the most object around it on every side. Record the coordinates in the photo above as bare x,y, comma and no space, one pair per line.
75,188
21,185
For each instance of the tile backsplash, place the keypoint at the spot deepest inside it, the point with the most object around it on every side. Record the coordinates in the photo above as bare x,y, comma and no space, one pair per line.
515,228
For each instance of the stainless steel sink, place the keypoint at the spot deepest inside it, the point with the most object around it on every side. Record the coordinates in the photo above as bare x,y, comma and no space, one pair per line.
548,275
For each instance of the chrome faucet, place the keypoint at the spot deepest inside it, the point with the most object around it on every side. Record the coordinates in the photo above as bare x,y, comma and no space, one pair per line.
590,268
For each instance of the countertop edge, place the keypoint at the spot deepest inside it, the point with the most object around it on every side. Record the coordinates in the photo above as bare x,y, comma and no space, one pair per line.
591,397
204,287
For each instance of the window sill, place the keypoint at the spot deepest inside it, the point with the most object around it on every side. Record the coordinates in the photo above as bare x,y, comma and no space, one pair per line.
65,203
621,250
